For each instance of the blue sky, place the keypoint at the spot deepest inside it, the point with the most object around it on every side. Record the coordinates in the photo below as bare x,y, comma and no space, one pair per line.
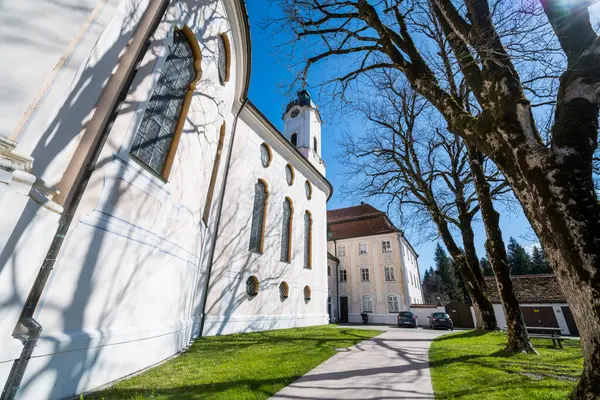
269,80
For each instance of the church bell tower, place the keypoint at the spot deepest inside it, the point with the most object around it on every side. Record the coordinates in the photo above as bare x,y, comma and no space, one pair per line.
303,128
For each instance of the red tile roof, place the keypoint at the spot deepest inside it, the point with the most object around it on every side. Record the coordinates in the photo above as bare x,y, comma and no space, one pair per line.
358,221
542,288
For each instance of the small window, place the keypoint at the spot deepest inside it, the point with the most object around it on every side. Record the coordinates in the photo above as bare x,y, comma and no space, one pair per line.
265,155
392,300
386,246
252,287
343,275
289,174
295,139
307,293
284,291
315,144
329,270
341,250
362,248
308,190
224,60
364,274
367,304
389,274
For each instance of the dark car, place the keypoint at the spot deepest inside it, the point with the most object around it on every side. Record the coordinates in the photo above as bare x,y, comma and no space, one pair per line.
440,320
406,318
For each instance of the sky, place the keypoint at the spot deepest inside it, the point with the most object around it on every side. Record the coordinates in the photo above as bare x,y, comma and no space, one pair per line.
269,81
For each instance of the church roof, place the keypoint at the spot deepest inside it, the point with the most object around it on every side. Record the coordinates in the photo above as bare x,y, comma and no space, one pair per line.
358,221
530,289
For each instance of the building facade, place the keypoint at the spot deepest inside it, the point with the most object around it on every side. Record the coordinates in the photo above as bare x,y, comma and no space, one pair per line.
377,270
145,200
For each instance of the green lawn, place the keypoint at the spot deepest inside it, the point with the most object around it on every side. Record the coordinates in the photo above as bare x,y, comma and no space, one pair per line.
472,365
242,366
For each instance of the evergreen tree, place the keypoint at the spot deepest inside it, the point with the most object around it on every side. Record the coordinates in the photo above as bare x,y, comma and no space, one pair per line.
485,265
426,277
520,263
447,272
539,264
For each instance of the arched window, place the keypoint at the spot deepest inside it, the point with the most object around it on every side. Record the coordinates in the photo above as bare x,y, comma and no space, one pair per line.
286,231
364,274
289,174
295,139
307,240
308,190
155,142
343,275
392,301
257,230
389,274
213,177
367,304
265,155
315,144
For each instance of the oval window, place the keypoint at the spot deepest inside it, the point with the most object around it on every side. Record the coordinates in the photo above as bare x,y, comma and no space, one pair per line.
308,189
289,174
307,293
284,291
223,60
252,286
265,155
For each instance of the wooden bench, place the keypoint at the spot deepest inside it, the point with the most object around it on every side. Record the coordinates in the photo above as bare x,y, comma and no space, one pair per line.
554,335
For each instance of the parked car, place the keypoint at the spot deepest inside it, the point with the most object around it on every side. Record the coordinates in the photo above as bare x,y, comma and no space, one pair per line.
406,318
440,320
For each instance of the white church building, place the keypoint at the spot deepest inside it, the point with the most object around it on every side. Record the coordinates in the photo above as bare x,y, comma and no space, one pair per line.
145,200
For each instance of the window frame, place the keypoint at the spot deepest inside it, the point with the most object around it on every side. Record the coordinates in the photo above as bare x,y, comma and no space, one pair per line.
360,244
397,302
294,139
284,291
362,274
341,249
389,246
308,190
255,287
307,293
270,153
345,271
227,45
370,302
181,119
292,173
393,273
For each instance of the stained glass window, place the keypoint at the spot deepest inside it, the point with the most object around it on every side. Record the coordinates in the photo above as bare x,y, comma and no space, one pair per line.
307,234
289,174
252,286
285,231
154,138
265,155
307,293
258,213
222,60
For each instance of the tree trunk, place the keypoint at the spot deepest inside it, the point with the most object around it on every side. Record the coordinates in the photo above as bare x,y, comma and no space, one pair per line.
518,338
484,310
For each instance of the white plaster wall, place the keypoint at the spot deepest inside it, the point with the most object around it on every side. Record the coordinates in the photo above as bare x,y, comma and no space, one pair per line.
124,292
332,288
228,309
378,288
411,266
307,125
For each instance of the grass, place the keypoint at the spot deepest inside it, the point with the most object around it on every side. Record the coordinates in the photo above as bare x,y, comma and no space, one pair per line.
472,365
242,366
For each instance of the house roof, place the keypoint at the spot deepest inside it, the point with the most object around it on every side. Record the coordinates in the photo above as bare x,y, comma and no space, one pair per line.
358,221
332,257
542,288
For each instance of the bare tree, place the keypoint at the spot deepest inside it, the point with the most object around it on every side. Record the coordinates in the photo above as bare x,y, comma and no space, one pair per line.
554,183
426,172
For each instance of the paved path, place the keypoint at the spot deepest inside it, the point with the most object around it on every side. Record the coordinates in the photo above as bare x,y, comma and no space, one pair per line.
393,365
